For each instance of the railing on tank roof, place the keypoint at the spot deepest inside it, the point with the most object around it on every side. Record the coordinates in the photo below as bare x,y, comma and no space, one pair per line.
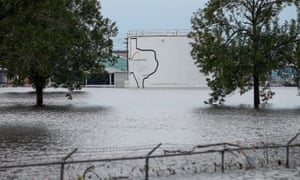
159,32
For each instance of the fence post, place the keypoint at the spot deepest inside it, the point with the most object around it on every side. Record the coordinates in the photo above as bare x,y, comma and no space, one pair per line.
147,161
222,160
62,167
287,156
288,150
62,171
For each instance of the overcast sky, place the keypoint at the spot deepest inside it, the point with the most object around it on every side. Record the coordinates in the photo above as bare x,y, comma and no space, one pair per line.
150,15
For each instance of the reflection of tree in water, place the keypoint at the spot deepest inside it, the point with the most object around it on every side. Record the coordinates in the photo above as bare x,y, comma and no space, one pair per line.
16,136
22,143
30,95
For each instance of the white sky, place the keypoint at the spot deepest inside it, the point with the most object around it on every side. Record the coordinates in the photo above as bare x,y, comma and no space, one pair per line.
150,15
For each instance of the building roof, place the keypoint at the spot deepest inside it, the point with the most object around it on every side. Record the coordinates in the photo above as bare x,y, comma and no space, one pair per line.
119,66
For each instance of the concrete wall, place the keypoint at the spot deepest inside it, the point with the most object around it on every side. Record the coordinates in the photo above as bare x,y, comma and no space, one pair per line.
121,79
162,61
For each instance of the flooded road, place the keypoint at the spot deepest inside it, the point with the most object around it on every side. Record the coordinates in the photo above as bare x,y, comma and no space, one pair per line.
99,118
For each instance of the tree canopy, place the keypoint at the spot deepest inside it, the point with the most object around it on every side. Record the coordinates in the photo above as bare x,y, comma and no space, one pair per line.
237,43
54,39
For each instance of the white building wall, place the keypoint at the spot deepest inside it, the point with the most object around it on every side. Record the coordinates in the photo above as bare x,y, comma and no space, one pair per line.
120,79
175,66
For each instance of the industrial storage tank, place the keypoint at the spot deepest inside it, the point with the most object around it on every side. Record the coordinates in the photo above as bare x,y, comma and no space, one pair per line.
162,58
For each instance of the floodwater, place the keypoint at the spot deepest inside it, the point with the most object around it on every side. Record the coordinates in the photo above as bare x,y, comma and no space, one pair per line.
98,118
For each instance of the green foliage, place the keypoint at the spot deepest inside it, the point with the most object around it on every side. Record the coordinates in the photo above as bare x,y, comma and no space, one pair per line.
60,40
237,43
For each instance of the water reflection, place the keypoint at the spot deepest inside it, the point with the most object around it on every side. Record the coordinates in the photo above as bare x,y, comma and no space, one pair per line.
14,135
100,118
53,109
248,126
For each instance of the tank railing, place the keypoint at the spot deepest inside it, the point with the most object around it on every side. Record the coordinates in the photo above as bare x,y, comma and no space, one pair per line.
159,32
227,147
288,149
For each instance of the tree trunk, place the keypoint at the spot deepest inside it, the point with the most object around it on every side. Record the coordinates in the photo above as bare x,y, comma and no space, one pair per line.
39,84
39,96
256,91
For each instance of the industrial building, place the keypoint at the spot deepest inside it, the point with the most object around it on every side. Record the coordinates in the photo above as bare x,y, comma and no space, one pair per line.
116,74
162,58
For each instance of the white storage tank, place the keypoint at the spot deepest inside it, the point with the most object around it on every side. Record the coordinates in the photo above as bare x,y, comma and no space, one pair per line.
162,58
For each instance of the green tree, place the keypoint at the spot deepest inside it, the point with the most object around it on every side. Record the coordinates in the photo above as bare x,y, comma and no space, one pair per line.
297,53
54,39
237,43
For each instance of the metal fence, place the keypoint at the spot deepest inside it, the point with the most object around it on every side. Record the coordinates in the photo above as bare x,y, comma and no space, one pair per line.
158,32
161,161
